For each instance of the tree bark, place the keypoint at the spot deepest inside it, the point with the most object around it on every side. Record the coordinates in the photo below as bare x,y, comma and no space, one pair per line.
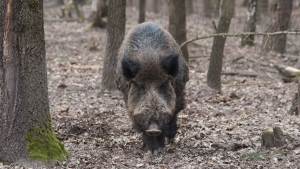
115,35
60,2
217,8
295,110
98,13
177,24
250,24
78,9
208,8
245,3
142,11
216,57
280,20
23,81
130,3
189,7
262,8
155,6
211,8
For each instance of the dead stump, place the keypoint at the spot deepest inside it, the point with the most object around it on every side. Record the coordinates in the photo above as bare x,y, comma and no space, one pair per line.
275,138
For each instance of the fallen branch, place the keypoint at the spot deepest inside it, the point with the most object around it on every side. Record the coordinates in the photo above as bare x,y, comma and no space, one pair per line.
287,71
296,32
289,74
231,146
246,74
238,58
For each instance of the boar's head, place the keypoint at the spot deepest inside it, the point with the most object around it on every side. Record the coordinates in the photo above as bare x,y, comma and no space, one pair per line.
151,94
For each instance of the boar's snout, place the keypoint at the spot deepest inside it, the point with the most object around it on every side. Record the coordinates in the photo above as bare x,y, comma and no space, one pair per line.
153,130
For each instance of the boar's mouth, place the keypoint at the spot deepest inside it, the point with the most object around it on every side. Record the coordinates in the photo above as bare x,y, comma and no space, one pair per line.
153,130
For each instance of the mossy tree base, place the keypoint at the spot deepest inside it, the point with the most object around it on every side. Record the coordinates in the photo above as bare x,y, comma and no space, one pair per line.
43,144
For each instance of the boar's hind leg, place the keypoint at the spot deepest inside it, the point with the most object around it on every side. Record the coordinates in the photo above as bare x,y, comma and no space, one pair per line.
172,128
153,143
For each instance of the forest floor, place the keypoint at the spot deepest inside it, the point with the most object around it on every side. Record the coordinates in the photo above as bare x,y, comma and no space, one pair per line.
215,130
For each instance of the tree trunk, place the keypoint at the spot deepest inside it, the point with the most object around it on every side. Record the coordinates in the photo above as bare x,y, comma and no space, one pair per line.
142,10
189,7
262,8
115,35
280,20
105,8
60,2
251,23
208,8
177,24
211,8
217,8
295,108
216,57
155,7
245,3
129,3
78,9
25,122
97,14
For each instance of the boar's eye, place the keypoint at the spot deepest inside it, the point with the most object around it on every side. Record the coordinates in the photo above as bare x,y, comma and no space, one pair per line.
130,68
170,64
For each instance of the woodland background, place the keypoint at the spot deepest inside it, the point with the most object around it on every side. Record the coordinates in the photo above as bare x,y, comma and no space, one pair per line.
216,130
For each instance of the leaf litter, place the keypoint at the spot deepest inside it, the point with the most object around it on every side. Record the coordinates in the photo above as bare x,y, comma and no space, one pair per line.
215,130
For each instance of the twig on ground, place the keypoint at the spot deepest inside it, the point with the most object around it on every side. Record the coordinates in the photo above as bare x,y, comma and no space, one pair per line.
238,58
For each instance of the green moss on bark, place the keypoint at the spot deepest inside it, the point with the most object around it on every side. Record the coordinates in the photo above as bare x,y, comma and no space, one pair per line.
271,133
33,3
43,144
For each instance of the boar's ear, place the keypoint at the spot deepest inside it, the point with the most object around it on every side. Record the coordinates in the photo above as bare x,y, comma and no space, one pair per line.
170,64
130,68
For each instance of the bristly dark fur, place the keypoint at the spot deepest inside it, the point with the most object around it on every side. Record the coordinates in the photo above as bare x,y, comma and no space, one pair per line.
170,65
152,74
129,68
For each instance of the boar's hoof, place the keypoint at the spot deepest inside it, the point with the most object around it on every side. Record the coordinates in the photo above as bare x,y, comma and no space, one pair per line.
154,152
153,130
170,140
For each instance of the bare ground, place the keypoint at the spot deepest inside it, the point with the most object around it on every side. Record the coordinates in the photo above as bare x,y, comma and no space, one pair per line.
215,130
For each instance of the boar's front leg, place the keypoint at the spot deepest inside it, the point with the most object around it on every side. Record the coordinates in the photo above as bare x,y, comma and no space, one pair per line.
151,144
172,128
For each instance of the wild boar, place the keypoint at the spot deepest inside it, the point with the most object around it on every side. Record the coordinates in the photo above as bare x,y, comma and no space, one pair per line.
152,73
